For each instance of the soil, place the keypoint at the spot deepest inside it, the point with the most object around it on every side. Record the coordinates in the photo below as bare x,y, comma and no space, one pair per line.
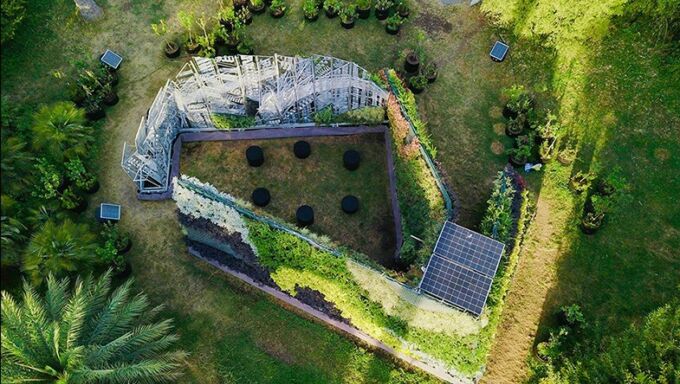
499,129
433,24
497,147
317,300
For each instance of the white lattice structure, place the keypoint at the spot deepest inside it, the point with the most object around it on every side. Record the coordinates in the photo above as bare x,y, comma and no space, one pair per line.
277,90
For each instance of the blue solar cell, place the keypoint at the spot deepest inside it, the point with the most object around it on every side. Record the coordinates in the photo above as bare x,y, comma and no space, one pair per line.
469,248
110,211
499,51
111,59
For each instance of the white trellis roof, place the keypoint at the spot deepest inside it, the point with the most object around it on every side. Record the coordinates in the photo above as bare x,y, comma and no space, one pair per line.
275,89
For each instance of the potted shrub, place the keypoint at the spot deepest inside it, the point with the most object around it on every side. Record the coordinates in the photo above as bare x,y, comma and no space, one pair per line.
78,174
515,125
591,222
580,182
277,9
347,16
227,18
332,7
547,150
310,9
566,156
520,102
207,40
110,96
187,21
240,4
256,6
393,24
245,47
522,152
170,48
417,83
245,15
363,8
411,62
430,72
94,109
403,9
72,201
382,9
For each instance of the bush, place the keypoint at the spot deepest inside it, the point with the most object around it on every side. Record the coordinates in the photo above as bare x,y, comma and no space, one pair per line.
49,180
498,220
76,172
324,116
228,122
11,14
365,116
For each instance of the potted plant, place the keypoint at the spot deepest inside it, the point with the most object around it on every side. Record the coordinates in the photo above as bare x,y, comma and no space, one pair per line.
520,102
94,109
522,152
207,40
417,83
310,9
566,156
591,222
110,96
393,24
72,201
277,9
187,21
245,15
347,15
245,47
411,62
227,17
515,125
547,150
332,7
430,71
403,9
171,48
363,8
256,6
580,182
382,9
78,174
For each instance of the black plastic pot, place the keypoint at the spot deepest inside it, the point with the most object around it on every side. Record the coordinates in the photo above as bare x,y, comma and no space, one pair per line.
404,12
255,156
192,48
347,25
517,162
302,149
94,188
509,113
232,46
95,114
238,4
304,216
351,159
249,20
81,207
381,14
261,197
510,133
411,63
392,30
171,51
331,13
588,229
312,18
364,13
113,77
256,10
349,204
111,99
432,74
126,248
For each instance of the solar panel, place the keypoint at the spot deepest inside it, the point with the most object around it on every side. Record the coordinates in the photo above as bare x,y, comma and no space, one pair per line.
109,211
111,59
499,51
469,248
462,267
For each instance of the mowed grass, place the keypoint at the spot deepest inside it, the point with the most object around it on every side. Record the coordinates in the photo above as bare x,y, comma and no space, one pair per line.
319,181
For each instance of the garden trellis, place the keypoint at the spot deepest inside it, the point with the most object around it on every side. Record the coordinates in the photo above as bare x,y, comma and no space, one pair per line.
276,90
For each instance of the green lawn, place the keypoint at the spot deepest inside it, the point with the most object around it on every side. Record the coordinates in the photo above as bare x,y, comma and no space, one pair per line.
319,181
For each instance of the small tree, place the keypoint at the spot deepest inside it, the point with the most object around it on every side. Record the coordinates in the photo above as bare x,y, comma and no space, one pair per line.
161,30
59,130
187,21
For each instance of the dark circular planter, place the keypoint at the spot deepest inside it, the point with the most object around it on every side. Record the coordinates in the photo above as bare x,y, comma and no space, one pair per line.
238,4
111,99
517,162
192,48
348,25
81,207
95,114
364,13
302,149
411,63
249,20
404,13
588,230
391,31
510,133
417,90
94,188
304,216
351,159
255,156
432,76
232,46
331,13
126,248
256,10
349,204
312,18
171,51
605,189
125,272
381,14
509,113
277,14
261,197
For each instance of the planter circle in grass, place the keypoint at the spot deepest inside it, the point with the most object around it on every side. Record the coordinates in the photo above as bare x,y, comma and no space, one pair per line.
305,216
261,197
349,204
302,149
255,156
351,159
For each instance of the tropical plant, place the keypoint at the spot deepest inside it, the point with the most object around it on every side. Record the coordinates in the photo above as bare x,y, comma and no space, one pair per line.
88,334
384,4
58,249
119,239
12,231
310,9
59,130
418,82
70,199
394,22
332,6
277,6
15,165
11,14
78,174
49,179
348,13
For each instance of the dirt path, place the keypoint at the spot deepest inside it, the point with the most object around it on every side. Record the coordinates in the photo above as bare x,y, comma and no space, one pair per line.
534,278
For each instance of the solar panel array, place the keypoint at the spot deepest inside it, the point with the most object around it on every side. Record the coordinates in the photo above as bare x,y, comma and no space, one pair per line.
462,267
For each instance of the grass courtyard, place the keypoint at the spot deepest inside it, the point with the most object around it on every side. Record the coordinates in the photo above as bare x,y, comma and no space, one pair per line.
319,181
621,105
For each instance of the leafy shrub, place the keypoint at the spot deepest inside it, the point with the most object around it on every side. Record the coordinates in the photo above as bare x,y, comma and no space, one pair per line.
324,116
277,5
49,179
498,220
11,14
228,122
310,9
60,131
365,115
70,199
76,172
418,81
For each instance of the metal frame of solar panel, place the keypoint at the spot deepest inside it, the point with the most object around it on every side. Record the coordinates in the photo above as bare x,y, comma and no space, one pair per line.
461,268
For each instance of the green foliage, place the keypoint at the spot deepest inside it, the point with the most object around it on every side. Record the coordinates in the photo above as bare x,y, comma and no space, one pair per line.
76,172
363,4
12,231
524,146
498,220
364,116
15,165
332,5
348,13
88,334
384,4
49,179
324,116
11,14
277,5
60,131
70,198
310,9
187,20
418,81
228,122
58,249
394,21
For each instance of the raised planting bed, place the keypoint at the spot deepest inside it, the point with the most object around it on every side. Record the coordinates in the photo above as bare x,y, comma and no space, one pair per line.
320,181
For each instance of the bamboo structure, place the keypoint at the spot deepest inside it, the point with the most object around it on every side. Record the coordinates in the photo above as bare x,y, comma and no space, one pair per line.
277,90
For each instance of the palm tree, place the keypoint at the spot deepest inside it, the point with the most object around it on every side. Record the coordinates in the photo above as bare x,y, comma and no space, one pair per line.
86,335
59,248
11,231
59,130
14,165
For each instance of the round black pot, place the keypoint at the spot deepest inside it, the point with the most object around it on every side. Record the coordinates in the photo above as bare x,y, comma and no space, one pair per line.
411,63
277,14
171,51
111,99
261,197
232,46
331,13
255,156
510,133
126,248
364,13
125,272
192,48
351,159
431,77
302,149
256,10
391,31
95,114
348,25
381,14
349,204
517,162
94,188
417,90
404,13
509,113
312,18
304,216
587,229
80,208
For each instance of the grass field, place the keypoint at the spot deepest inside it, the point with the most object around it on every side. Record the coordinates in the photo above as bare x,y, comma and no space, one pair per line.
319,181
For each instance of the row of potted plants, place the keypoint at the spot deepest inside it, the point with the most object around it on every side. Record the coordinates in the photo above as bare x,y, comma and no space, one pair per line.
393,12
419,74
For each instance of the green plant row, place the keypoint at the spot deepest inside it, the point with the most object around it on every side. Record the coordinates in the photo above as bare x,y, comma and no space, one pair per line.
227,122
365,116
498,220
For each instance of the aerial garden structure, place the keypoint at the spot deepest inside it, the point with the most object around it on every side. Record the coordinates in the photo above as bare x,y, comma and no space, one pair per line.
435,318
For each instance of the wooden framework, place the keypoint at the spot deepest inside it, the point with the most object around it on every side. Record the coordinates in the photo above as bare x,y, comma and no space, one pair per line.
277,90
